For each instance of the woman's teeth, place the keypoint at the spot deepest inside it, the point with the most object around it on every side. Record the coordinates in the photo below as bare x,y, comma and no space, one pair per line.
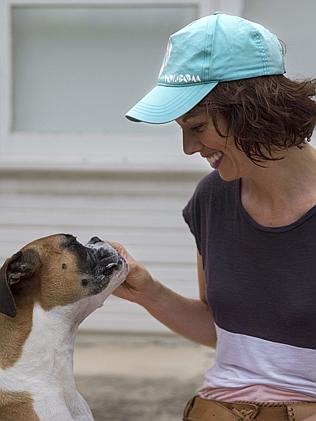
215,159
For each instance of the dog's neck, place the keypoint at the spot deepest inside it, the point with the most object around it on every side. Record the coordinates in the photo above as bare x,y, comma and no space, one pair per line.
45,365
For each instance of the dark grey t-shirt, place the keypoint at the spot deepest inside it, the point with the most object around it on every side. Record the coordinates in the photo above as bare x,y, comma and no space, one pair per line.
261,281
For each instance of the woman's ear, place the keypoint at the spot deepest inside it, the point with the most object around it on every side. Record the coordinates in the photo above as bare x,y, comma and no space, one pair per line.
20,266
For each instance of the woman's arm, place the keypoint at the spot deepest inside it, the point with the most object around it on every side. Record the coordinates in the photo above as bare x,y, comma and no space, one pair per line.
188,317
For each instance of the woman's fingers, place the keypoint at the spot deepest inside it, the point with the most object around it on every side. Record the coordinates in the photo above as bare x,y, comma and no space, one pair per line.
120,249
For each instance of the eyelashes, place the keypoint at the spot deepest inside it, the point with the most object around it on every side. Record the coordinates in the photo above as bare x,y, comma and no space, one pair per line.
198,129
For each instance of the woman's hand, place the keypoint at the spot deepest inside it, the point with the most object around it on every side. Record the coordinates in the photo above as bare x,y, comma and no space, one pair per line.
139,281
188,317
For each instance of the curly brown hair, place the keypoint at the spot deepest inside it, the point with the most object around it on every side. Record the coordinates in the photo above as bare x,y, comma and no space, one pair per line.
264,114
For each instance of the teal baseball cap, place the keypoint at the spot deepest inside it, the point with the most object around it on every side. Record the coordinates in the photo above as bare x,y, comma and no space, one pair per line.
213,49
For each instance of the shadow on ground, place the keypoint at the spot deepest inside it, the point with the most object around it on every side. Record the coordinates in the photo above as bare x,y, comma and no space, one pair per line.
121,399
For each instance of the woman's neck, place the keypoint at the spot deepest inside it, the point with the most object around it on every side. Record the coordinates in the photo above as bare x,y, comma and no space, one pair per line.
285,183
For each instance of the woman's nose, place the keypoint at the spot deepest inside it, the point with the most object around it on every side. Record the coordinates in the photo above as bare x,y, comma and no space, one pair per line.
190,144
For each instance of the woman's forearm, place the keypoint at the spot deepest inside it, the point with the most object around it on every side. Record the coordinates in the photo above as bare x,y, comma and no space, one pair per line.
188,317
185,316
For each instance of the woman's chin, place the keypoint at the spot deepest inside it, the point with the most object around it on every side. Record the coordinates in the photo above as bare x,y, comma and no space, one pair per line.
228,176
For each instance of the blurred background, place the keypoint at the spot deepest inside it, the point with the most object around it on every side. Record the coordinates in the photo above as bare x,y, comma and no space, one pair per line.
70,162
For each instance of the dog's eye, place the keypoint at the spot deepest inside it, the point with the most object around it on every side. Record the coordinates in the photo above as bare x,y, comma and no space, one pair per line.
71,241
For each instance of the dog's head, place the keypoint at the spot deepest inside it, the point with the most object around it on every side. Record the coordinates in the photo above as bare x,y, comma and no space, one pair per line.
57,270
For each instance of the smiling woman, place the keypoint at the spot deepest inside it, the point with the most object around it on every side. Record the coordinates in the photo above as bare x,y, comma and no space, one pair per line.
253,219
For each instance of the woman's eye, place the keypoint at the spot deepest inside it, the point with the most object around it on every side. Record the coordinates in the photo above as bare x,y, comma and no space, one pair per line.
199,128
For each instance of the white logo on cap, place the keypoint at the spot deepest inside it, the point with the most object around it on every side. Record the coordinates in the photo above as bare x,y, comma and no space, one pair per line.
178,78
166,58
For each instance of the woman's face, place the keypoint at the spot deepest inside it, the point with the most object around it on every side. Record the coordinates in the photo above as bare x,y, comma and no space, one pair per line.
200,136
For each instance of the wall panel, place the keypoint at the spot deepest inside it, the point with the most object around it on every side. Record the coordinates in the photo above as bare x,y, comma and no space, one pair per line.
140,210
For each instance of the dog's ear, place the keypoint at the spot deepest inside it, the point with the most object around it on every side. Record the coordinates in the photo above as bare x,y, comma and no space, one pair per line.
7,303
20,266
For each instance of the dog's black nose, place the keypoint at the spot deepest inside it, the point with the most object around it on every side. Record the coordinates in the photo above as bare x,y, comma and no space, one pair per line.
95,240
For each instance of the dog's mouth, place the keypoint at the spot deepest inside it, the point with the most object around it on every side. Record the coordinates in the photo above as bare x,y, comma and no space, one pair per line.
106,267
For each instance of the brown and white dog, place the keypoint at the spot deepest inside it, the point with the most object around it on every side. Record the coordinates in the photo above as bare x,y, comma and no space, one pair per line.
46,290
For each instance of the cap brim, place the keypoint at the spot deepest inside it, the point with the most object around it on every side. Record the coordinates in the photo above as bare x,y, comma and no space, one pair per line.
166,103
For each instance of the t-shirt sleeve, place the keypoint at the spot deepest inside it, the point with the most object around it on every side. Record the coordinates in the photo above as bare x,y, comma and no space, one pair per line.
191,215
198,211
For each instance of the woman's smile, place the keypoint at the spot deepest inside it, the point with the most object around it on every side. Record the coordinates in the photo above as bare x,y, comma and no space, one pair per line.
215,159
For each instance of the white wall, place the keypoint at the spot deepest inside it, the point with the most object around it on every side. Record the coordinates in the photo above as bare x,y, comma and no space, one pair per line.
80,69
294,23
142,211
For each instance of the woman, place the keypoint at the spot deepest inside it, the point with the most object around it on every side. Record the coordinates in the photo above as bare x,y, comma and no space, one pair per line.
253,218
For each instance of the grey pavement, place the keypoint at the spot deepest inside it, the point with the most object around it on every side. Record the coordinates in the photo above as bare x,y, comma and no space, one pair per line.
128,377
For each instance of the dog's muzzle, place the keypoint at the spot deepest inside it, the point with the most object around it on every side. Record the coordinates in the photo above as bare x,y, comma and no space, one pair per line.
105,264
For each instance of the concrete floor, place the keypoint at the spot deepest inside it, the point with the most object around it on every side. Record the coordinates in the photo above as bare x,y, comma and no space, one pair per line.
138,377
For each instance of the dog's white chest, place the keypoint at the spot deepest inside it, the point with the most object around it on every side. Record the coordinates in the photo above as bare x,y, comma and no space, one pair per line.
45,369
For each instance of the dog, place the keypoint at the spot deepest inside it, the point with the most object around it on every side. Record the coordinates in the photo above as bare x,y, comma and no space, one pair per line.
46,290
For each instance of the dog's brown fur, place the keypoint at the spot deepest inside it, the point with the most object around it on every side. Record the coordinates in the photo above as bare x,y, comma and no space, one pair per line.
17,406
53,282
